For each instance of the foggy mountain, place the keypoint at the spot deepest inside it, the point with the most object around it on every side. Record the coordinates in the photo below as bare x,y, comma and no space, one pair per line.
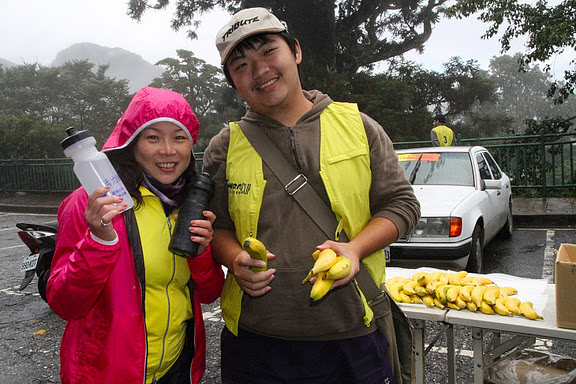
6,63
123,64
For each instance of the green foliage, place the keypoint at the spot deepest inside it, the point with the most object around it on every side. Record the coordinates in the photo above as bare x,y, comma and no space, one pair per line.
69,95
337,37
28,136
549,30
214,102
403,99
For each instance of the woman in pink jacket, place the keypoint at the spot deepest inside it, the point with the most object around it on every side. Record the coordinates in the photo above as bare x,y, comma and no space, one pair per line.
132,307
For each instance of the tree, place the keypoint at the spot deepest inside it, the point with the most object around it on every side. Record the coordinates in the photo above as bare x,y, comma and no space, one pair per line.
402,99
69,95
204,87
337,37
549,29
521,97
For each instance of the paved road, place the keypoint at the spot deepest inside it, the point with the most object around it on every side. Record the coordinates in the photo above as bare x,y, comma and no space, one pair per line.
30,332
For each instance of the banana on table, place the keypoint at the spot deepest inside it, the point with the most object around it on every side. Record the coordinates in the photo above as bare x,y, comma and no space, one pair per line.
458,290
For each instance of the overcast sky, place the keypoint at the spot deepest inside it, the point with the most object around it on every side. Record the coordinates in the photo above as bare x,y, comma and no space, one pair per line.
36,30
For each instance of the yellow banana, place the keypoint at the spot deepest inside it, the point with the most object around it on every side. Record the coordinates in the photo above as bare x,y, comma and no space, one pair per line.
509,291
512,304
500,307
438,303
528,311
460,303
465,292
408,287
444,277
471,306
477,294
428,300
316,254
456,277
452,293
393,280
325,261
420,290
468,280
441,293
434,276
483,280
431,286
452,306
257,250
420,277
321,287
486,308
340,269
415,299
397,293
491,294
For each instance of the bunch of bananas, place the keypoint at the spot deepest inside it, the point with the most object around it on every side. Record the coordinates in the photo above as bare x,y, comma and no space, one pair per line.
257,250
327,268
457,290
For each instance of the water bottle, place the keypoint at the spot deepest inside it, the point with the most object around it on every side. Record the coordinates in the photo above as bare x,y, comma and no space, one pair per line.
92,167
198,195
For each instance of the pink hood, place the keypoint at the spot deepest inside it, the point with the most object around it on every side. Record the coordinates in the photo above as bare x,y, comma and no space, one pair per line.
148,106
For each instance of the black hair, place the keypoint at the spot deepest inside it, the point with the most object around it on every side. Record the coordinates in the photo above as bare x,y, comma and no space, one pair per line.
251,42
441,118
132,174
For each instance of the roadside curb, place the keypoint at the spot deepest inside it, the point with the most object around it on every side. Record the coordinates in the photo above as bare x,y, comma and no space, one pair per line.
38,209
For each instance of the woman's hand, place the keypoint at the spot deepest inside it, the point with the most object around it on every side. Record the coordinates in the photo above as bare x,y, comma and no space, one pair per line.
202,231
101,210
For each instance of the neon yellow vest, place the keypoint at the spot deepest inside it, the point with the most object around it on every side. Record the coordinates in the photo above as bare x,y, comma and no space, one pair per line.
347,183
445,135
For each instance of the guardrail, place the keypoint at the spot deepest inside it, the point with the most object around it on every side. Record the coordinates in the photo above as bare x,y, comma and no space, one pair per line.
542,163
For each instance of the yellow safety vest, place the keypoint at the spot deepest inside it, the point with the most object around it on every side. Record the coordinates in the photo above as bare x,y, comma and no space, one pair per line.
345,172
445,135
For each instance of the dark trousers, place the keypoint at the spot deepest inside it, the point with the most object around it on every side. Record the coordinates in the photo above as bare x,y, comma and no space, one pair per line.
179,373
256,359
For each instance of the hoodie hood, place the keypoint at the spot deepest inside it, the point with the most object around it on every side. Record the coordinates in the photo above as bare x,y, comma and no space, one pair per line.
148,106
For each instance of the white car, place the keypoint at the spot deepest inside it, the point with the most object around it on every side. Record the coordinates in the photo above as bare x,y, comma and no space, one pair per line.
466,200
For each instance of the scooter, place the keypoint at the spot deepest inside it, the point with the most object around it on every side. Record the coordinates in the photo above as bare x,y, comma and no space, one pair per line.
41,240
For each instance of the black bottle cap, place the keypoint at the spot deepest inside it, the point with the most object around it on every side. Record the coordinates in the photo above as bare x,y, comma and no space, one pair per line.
74,137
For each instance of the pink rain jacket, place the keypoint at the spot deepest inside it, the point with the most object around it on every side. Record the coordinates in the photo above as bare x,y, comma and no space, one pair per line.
96,288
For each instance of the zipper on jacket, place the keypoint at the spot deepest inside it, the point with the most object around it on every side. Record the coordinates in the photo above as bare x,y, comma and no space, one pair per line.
293,149
168,300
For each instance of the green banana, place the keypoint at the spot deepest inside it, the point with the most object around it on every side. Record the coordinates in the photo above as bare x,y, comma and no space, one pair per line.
257,250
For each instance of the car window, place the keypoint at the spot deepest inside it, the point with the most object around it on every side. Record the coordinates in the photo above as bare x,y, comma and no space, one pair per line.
493,166
437,168
483,167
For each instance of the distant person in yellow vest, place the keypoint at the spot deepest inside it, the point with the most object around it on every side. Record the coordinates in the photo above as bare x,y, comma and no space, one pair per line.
441,135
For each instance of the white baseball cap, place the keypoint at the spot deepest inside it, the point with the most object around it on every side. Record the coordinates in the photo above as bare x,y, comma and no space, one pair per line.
243,24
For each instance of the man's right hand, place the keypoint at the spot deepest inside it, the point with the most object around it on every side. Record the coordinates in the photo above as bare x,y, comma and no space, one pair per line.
253,283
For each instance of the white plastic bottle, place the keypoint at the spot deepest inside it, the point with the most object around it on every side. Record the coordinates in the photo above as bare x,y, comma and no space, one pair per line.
92,167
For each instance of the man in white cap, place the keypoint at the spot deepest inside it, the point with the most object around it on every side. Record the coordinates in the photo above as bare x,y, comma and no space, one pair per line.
274,332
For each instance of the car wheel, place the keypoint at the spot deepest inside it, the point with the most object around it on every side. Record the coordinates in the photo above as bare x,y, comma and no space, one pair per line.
476,252
506,231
